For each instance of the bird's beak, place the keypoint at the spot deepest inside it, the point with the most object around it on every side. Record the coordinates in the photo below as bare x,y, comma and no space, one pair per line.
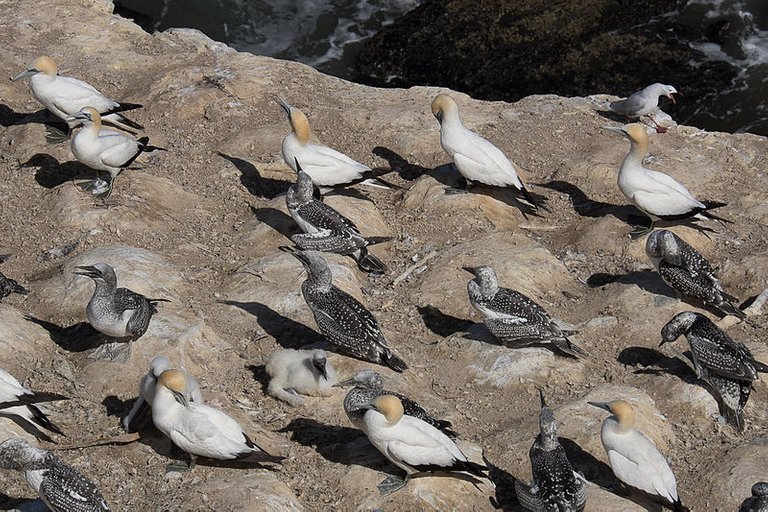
671,97
24,74
615,129
78,116
323,372
471,270
88,271
601,405
286,106
348,382
663,341
181,398
439,116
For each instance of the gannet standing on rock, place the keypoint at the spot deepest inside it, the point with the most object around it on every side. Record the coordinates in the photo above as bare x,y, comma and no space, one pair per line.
326,166
8,285
325,229
726,365
340,317
116,312
514,318
656,194
412,444
199,430
555,486
642,103
103,149
368,385
688,272
634,458
64,96
11,390
758,502
61,487
475,158
147,389
294,373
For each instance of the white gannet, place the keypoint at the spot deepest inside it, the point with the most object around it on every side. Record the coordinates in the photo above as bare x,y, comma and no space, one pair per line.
61,487
147,389
642,103
726,365
64,96
197,429
683,268
104,149
475,158
326,166
656,194
294,373
411,444
634,458
12,392
514,318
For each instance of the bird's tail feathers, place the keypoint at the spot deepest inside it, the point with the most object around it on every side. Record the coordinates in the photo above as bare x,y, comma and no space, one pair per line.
567,346
729,306
712,205
394,362
43,420
678,506
760,367
146,148
41,396
370,263
17,288
373,240
476,469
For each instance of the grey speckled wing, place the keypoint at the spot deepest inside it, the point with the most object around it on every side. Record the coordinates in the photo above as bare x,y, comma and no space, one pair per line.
715,350
126,299
64,489
553,475
327,240
323,216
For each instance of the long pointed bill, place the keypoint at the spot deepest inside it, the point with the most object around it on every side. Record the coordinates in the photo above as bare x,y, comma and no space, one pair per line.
601,405
25,74
181,398
471,270
671,97
343,384
286,106
614,129
88,271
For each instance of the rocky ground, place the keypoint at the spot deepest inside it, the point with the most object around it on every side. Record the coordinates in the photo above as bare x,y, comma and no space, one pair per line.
200,225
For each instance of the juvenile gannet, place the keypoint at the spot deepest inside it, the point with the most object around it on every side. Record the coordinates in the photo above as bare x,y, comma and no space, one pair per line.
656,194
8,285
642,103
368,385
104,149
514,318
475,158
326,166
327,230
199,430
116,312
294,373
634,458
147,389
726,365
412,444
61,487
63,96
340,317
555,486
758,502
688,272
11,390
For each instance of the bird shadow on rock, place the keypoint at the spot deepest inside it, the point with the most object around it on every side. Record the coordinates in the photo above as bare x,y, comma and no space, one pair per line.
650,361
254,182
277,220
586,207
75,338
9,117
505,497
260,375
442,324
400,165
647,280
286,332
51,173
20,504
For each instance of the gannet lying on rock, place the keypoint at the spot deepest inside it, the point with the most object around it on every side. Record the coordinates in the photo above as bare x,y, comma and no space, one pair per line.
299,372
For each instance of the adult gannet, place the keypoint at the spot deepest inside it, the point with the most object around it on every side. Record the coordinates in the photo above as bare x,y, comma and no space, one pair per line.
475,158
341,318
411,444
147,390
11,391
199,430
688,272
61,487
634,458
327,230
656,194
514,318
64,96
642,103
726,365
294,373
103,149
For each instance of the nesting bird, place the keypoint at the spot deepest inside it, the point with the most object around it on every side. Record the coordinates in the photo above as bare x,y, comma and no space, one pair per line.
643,102
294,373
147,386
634,458
327,230
8,285
368,385
514,318
104,149
758,502
64,96
197,429
412,444
683,268
556,486
61,487
726,365
24,411
476,159
656,194
116,312
341,318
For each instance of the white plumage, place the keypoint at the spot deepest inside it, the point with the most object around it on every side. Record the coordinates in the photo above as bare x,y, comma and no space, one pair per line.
11,390
642,103
300,372
100,148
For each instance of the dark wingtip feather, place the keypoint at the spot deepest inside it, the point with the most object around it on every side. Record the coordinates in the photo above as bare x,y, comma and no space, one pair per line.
394,362
130,122
480,470
370,263
43,420
566,346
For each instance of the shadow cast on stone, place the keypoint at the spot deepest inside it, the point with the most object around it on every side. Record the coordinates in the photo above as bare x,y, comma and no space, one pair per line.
286,332
400,165
442,324
260,375
51,173
650,361
254,182
277,220
75,338
504,483
9,117
20,504
586,207
647,280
